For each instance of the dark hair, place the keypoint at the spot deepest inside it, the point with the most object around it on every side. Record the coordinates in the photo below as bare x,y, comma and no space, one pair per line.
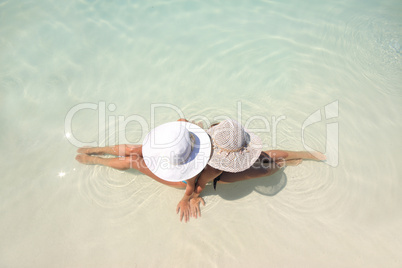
214,124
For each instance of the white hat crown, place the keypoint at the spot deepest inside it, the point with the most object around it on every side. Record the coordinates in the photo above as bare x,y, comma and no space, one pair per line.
175,144
176,151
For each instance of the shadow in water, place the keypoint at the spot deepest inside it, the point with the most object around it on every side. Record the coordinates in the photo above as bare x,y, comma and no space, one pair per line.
268,186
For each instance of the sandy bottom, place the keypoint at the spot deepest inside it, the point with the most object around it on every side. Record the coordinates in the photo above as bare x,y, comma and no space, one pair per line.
266,61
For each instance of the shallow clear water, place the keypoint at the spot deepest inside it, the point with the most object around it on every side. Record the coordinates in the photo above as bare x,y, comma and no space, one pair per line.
273,59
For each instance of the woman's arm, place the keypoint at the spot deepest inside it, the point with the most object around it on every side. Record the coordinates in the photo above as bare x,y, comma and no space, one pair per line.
189,188
208,174
184,204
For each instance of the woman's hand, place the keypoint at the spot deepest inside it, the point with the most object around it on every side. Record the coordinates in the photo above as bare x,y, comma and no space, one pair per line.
195,206
184,208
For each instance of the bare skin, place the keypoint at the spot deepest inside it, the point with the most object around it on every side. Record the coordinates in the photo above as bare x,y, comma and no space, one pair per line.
189,205
130,156
263,167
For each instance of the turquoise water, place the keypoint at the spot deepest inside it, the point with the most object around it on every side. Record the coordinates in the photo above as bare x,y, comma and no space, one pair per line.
263,59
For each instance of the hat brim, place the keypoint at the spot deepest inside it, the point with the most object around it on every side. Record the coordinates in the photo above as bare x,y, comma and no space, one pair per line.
236,161
194,164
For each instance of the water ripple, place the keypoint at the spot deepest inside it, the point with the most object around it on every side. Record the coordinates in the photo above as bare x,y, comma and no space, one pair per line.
375,44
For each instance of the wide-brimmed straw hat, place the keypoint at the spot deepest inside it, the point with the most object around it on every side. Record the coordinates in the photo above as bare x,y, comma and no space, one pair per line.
234,148
176,151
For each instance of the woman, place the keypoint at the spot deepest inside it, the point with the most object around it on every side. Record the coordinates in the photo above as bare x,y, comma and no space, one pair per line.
164,156
237,156
174,154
